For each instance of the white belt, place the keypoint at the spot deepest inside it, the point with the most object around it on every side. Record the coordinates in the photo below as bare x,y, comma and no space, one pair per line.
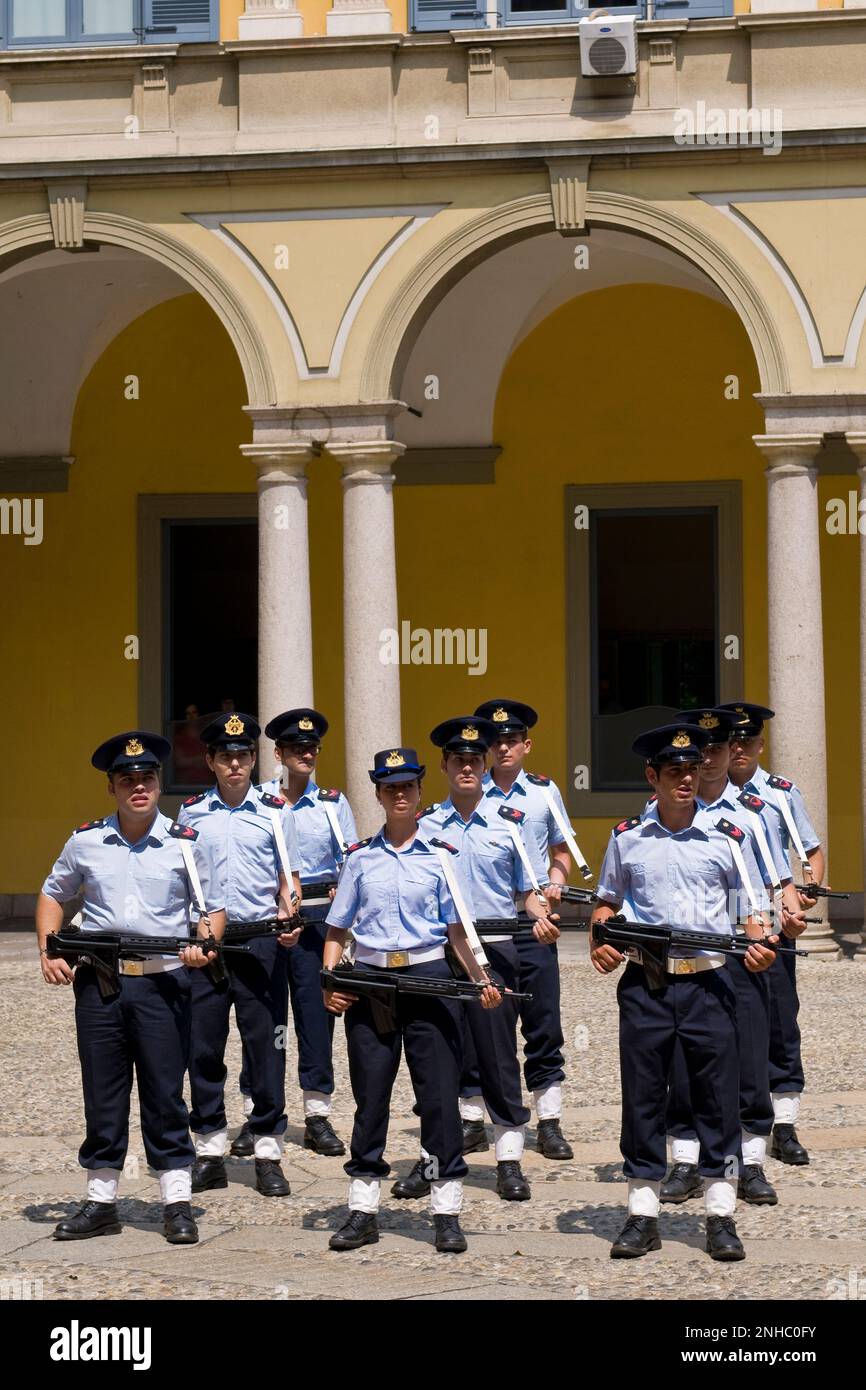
154,965
492,940
395,960
692,965
315,902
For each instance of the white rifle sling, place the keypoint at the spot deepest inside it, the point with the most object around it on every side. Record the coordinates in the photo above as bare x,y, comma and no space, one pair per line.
567,833
763,846
524,859
463,912
782,803
192,875
744,875
282,849
336,829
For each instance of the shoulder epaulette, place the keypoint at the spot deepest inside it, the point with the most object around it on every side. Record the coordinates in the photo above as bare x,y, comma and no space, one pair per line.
194,800
359,844
89,825
276,801
653,798
727,827
511,813
329,794
537,780
443,844
626,825
428,810
751,802
182,832
781,782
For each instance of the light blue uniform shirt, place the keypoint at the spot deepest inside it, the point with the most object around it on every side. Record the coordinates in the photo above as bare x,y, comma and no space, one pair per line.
491,865
394,900
140,888
529,798
760,785
684,877
321,856
241,840
729,805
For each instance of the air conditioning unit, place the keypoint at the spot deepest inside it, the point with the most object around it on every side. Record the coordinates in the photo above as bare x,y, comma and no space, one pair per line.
607,46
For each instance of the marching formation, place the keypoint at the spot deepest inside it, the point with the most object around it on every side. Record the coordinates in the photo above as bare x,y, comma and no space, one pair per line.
435,939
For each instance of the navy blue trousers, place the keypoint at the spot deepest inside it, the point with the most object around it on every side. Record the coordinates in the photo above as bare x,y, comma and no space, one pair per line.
145,1028
494,1038
429,1031
314,1026
753,1041
700,1011
540,1021
257,985
786,1061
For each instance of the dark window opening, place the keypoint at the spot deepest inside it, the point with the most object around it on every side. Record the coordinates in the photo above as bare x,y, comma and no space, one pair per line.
655,639
210,635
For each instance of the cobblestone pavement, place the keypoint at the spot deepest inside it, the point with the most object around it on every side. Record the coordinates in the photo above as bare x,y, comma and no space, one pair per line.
813,1245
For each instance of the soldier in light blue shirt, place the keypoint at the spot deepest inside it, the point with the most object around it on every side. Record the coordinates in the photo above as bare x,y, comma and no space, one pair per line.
684,866
138,873
325,828
787,1078
395,898
252,837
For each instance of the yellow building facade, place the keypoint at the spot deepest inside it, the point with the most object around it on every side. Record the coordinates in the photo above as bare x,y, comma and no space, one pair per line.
457,344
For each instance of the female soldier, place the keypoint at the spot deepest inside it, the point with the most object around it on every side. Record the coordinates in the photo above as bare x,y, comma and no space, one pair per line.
394,896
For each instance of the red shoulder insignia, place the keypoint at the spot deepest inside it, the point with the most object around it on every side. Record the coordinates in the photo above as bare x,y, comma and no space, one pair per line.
751,802
359,844
276,801
89,825
781,783
182,832
427,811
443,844
728,828
332,794
537,780
194,800
626,825
652,798
511,813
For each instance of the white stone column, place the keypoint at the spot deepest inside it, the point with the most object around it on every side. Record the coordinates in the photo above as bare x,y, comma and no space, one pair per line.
285,622
796,647
371,688
358,17
270,19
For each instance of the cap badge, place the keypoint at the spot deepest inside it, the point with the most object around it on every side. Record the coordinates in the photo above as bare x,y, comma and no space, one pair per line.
470,733
395,759
681,739
499,715
709,721
305,723
234,725
133,748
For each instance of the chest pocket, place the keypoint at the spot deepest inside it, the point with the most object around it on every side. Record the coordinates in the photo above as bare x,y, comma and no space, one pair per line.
639,875
157,889
376,884
419,892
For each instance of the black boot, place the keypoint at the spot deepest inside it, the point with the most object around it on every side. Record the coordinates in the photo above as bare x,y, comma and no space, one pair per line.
450,1240
362,1228
753,1187
510,1182
639,1235
91,1219
681,1183
787,1147
723,1243
414,1184
207,1173
178,1225
244,1145
271,1181
475,1139
320,1137
550,1142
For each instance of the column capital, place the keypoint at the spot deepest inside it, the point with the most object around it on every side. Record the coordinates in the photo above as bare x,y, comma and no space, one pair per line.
856,441
789,453
286,462
367,460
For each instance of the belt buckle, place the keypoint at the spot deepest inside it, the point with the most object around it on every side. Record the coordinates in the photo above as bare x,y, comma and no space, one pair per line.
686,967
397,959
132,967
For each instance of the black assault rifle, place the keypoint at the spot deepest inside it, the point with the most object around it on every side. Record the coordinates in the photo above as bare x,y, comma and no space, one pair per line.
655,942
105,950
521,925
383,987
814,890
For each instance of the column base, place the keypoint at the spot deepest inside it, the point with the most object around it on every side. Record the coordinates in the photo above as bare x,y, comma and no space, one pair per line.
342,22
271,26
820,943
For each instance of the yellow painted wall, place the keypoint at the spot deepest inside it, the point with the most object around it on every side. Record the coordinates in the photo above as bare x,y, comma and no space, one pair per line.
229,11
625,383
